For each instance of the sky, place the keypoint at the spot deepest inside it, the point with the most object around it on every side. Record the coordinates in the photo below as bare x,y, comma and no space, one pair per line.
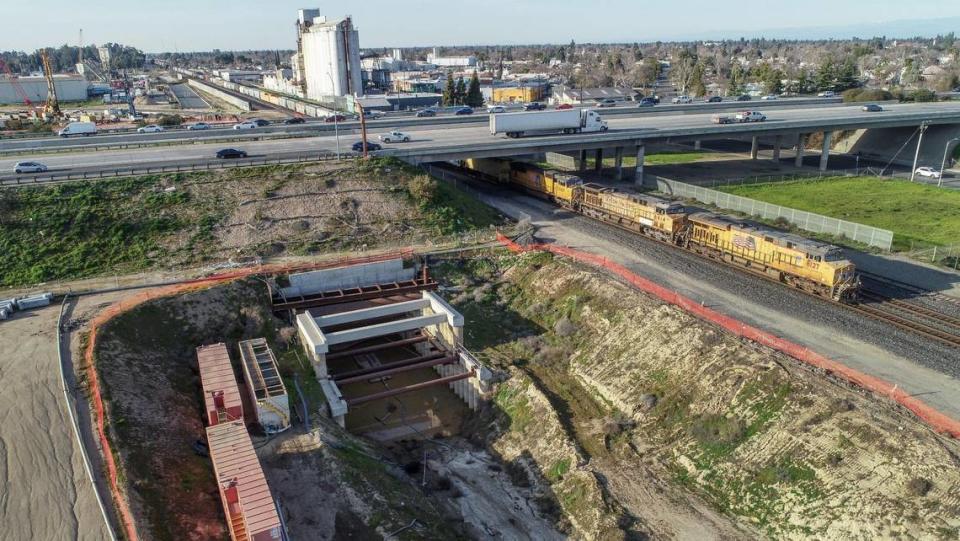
202,25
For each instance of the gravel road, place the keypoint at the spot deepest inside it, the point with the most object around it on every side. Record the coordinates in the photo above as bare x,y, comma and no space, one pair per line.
919,366
44,491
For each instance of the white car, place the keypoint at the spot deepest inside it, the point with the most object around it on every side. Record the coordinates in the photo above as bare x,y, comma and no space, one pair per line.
248,125
769,97
683,99
152,128
928,172
395,136
198,126
827,94
29,167
750,116
496,109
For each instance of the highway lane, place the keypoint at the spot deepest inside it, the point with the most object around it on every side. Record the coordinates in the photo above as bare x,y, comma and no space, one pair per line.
313,127
425,137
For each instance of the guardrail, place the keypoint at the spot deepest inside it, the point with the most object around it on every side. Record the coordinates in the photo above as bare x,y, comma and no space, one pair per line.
809,221
208,165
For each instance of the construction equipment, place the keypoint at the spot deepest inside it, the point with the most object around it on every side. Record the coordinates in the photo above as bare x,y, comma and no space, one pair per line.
52,108
16,84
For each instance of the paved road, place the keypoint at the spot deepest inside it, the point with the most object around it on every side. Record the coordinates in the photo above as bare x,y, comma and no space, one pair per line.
433,137
188,98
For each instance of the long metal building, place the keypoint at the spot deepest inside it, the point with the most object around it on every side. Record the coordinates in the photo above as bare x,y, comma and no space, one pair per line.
221,394
69,88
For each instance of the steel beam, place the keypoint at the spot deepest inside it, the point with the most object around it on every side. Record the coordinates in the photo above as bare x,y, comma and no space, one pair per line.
409,388
377,347
396,368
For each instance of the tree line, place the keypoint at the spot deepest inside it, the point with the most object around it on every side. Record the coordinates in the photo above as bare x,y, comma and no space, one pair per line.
460,93
66,57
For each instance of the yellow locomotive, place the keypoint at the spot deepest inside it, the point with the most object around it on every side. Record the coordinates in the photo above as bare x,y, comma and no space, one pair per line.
555,186
652,216
812,266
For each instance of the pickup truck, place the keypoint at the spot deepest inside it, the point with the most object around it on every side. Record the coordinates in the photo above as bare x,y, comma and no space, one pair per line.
750,116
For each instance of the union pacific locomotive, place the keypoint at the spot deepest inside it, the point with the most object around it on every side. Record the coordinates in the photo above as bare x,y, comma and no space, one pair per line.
809,265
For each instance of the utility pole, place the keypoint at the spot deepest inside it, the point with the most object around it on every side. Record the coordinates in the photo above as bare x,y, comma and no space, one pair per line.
916,155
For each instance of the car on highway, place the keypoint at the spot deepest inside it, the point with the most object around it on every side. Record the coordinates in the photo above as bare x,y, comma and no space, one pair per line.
928,172
744,97
29,167
534,106
231,154
607,103
370,114
260,122
647,102
496,109
334,118
464,111
750,116
198,126
714,99
394,136
152,128
426,113
769,97
294,120
563,106
827,94
245,125
371,147
871,108
682,99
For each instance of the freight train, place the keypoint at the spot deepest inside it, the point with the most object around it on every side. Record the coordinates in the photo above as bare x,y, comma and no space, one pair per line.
809,265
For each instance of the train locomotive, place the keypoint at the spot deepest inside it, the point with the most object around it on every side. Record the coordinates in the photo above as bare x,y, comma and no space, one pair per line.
812,266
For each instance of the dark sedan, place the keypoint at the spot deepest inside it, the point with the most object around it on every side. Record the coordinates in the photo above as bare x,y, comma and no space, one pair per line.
464,111
426,113
714,99
294,120
871,108
371,147
534,106
230,153
335,118
743,98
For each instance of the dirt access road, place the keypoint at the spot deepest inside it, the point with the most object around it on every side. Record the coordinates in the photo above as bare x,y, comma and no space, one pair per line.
813,323
44,490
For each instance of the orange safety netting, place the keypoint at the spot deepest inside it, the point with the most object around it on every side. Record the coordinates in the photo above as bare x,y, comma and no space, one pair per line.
128,303
939,421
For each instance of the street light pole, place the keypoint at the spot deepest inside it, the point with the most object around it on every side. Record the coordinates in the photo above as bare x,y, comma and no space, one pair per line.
336,116
943,164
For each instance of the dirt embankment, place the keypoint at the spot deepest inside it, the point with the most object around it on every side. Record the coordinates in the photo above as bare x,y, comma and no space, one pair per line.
670,428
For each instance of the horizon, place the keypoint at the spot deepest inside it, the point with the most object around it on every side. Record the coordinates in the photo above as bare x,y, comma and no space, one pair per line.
381,25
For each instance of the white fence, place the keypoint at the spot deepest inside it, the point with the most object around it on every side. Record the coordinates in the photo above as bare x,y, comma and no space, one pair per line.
817,223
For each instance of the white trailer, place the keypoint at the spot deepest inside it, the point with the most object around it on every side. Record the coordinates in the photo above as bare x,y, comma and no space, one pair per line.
547,122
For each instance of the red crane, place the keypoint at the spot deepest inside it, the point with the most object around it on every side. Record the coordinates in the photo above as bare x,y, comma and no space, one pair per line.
16,84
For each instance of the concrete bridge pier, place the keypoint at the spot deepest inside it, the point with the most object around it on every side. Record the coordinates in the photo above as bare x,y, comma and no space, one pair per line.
801,142
638,174
777,142
598,161
825,150
618,162
754,147
582,166
696,145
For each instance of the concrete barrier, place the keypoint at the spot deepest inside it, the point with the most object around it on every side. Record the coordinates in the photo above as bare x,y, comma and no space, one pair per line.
243,105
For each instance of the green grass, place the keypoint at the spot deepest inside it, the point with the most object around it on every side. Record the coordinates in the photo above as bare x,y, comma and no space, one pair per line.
918,214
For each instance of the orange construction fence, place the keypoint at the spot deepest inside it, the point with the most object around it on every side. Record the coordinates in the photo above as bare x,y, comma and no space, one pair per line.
128,303
937,420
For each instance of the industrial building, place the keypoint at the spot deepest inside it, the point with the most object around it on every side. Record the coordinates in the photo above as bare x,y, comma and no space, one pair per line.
435,59
266,389
69,88
517,93
329,56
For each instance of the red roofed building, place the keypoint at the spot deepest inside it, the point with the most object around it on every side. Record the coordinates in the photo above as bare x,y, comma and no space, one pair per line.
221,393
247,502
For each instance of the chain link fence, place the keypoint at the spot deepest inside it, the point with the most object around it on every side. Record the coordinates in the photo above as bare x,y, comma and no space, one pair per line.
947,256
805,176
817,223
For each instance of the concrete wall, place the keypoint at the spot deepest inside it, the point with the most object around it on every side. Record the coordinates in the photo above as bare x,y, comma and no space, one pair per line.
68,89
243,105
883,144
381,272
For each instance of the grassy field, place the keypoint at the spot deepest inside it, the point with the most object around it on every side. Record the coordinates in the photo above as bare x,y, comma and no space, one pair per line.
120,226
918,214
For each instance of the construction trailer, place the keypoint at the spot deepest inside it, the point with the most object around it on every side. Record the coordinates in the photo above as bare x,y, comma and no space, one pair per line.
264,386
221,394
246,498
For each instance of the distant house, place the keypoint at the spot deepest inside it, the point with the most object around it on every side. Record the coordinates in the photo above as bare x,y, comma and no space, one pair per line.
574,95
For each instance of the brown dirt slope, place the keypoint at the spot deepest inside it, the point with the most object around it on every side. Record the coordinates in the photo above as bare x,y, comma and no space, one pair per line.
685,424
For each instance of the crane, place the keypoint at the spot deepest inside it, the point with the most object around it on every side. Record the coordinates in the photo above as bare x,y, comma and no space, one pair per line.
16,84
52,107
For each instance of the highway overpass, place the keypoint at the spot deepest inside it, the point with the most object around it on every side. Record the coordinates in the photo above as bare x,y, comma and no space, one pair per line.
628,135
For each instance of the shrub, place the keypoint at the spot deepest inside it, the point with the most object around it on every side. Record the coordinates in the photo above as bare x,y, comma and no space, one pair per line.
918,486
422,189
169,120
921,95
865,95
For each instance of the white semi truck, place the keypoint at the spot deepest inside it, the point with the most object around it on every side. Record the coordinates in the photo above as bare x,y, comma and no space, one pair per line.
547,122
